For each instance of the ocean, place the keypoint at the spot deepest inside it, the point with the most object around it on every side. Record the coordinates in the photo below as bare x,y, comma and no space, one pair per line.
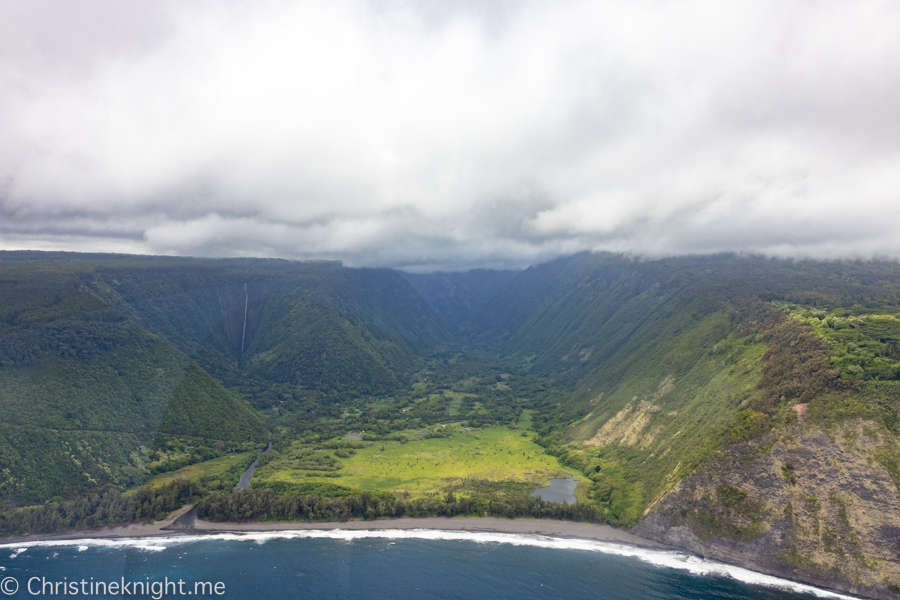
364,565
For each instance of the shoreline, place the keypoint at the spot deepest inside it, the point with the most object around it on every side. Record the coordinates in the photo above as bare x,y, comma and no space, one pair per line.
183,523
545,527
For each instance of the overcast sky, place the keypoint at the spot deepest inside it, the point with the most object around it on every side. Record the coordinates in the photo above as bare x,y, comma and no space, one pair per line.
450,135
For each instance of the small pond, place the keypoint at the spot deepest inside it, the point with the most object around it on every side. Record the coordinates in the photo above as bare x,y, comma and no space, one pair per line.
561,491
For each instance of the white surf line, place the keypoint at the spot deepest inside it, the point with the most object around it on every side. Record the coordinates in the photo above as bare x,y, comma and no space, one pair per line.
658,558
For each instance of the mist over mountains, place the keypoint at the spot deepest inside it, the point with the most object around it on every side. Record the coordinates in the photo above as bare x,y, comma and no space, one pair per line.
449,136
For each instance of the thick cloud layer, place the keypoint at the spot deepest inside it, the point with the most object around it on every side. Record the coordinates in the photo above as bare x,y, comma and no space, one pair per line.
450,135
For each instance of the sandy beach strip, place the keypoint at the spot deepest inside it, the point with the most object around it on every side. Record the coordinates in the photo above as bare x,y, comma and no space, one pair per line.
544,527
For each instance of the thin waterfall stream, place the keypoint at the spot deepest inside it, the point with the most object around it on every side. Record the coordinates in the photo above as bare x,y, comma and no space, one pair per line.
246,304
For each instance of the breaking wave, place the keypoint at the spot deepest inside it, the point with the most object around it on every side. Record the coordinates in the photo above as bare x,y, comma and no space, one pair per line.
658,558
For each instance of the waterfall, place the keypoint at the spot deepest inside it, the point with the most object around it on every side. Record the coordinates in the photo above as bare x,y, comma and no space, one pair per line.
246,303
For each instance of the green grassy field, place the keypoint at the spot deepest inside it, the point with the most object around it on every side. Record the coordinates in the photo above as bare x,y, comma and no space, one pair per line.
421,466
217,467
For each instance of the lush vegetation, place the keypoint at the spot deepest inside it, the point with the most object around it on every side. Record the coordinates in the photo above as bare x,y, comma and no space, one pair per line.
102,509
864,341
667,362
99,404
224,469
471,390
412,463
114,369
483,499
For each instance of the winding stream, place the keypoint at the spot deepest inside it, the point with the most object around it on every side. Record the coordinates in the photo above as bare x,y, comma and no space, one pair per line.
244,483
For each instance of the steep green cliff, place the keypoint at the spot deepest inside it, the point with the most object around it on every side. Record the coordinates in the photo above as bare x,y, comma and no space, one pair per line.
114,368
709,394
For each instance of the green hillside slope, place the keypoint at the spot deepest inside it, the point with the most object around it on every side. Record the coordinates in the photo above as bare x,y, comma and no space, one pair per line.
316,326
456,297
689,375
90,398
113,368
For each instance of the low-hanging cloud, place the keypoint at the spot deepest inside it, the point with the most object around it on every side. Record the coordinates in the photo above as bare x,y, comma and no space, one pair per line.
450,135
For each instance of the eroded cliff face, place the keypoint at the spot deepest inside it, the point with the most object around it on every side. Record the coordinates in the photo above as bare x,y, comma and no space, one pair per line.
799,503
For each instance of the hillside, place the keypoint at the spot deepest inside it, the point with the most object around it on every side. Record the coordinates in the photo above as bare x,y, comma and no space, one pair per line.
700,386
90,398
456,297
306,323
113,368
744,408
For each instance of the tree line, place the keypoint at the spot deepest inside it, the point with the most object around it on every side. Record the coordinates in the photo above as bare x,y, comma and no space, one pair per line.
268,505
107,509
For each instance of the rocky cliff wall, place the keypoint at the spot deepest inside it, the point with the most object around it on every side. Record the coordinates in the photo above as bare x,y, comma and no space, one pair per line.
799,503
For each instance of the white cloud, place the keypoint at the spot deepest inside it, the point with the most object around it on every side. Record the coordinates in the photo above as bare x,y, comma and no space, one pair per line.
450,135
